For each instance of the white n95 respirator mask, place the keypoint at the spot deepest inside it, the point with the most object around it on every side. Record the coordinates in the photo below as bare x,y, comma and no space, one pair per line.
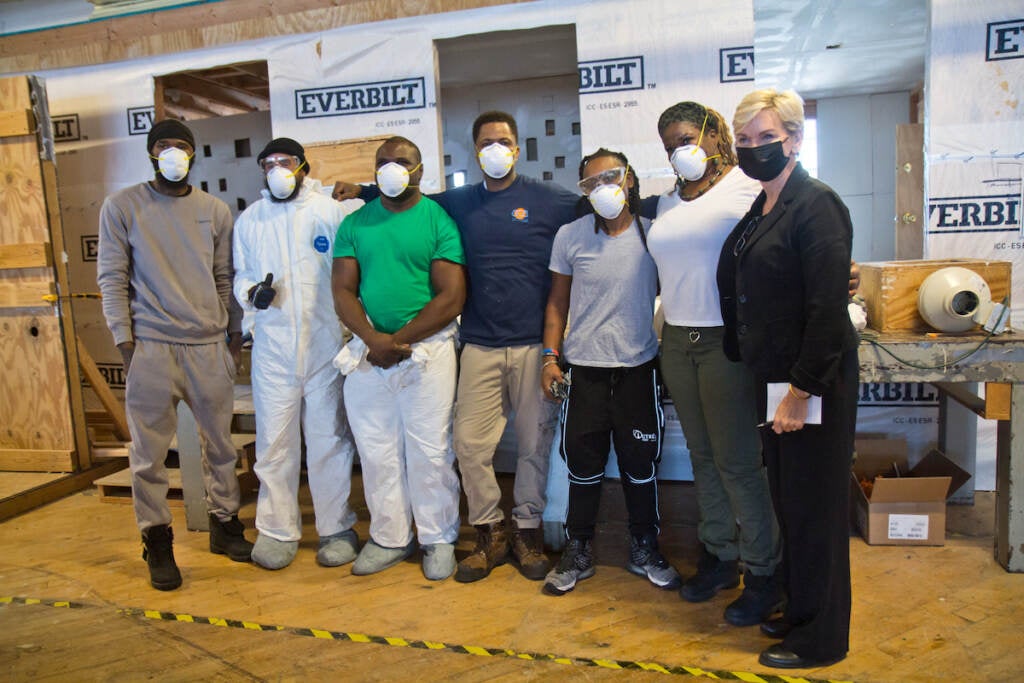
392,179
689,162
173,164
281,182
608,201
496,160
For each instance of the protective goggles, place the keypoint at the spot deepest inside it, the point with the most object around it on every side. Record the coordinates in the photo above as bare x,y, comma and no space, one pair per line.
613,176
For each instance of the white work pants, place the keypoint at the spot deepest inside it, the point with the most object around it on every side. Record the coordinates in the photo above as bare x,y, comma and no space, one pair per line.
401,419
282,403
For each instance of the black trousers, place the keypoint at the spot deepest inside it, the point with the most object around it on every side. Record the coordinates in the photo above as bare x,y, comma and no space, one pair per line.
606,406
809,476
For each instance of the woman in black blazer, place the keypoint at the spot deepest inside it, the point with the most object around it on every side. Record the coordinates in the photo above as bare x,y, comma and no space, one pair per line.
783,282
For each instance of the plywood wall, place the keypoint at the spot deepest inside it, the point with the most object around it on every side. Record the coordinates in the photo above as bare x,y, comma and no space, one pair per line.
202,26
35,412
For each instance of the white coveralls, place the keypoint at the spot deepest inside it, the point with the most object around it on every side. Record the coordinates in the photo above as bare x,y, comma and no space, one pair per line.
294,341
402,419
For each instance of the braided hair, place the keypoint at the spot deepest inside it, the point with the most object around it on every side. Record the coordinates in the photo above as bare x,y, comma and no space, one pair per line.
632,193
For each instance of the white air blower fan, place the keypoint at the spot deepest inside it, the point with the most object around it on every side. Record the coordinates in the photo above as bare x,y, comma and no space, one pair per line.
956,299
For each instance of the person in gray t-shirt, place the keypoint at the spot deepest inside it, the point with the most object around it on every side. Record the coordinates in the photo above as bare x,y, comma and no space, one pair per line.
605,281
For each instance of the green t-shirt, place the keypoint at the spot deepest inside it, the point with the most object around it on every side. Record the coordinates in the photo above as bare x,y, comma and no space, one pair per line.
395,251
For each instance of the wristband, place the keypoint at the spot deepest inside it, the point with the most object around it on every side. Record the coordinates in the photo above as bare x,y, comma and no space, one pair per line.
550,352
547,363
797,397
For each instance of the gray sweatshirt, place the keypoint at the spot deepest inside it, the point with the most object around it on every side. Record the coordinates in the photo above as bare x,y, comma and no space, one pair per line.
164,267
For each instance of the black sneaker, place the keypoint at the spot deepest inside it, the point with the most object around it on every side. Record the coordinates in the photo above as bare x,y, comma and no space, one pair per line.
158,552
646,560
577,563
712,576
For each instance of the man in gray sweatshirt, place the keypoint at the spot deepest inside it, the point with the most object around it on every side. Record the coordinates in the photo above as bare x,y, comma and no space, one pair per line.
165,272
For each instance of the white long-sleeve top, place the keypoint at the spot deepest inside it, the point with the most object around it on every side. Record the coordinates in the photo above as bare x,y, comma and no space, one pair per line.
300,332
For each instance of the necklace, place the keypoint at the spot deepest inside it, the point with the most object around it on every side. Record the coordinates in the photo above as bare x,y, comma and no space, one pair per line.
711,181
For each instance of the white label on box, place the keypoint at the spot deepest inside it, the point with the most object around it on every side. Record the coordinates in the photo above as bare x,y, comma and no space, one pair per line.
908,527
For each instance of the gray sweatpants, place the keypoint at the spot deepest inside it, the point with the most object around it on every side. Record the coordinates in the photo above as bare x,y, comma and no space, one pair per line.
160,375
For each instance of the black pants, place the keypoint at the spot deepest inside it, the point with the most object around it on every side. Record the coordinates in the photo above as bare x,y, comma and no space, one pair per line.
605,406
809,476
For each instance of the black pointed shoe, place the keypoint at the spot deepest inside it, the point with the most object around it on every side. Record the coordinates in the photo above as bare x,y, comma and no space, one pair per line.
779,657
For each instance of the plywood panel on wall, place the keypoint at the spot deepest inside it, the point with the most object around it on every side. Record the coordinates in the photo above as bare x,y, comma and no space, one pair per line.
34,395
350,160
204,25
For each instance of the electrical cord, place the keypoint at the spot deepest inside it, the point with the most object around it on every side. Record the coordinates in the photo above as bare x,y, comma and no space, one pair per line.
871,338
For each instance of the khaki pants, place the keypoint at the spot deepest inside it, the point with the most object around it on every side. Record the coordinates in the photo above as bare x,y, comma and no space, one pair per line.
493,383
202,375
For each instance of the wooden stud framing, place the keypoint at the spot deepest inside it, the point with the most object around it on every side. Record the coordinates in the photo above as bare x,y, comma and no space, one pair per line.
17,122
31,255
40,495
99,385
26,294
36,461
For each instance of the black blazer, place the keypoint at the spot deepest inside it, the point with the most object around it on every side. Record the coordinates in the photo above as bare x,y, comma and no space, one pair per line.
784,297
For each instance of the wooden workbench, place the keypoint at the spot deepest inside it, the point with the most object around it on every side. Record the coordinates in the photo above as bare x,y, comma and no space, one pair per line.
952,362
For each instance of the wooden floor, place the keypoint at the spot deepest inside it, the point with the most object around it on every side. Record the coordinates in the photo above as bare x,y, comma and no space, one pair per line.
920,614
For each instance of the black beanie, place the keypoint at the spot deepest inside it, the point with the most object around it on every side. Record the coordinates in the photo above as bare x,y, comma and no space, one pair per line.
283,146
169,129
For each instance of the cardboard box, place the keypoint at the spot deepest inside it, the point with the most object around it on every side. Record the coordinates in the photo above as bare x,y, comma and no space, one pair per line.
889,289
904,507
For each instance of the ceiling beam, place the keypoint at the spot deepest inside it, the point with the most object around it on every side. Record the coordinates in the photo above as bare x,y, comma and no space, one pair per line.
199,103
217,91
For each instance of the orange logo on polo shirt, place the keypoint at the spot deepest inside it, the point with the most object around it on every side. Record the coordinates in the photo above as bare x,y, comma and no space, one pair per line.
521,214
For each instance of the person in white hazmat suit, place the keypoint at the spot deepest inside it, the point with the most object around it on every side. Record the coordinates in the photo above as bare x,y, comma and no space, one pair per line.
283,247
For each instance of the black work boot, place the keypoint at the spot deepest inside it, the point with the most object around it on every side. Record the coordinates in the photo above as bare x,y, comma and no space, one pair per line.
712,576
528,548
491,550
158,552
228,538
761,598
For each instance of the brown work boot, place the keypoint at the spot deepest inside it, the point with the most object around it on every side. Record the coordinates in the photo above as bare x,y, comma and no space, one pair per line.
528,549
491,550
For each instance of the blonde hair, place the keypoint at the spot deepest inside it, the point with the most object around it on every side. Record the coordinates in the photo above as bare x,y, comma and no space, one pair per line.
787,104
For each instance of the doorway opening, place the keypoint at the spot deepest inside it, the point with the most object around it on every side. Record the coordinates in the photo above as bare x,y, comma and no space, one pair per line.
228,109
531,74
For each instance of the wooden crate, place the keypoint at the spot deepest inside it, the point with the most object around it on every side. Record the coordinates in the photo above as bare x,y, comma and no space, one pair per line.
890,289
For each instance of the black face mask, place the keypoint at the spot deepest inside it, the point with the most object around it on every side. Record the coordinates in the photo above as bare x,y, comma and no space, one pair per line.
762,163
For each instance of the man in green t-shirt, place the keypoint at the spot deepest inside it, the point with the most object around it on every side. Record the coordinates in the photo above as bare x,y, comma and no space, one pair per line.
398,284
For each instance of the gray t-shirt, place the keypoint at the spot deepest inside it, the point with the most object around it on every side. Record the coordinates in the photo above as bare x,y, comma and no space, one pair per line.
611,303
